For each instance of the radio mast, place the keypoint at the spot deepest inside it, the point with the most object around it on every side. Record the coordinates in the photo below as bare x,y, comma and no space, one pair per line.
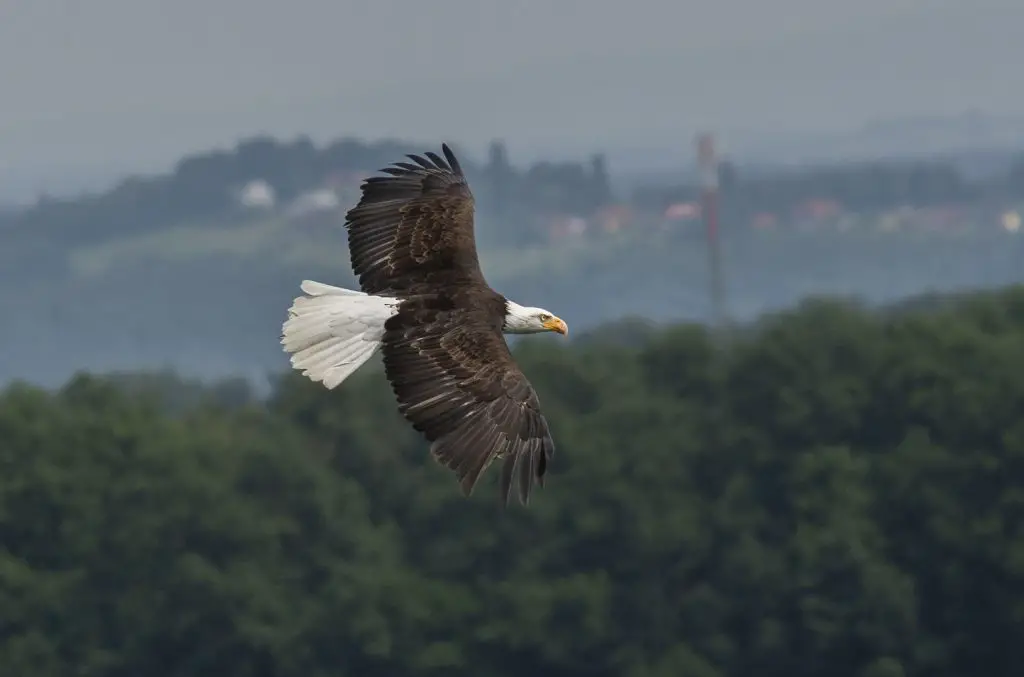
707,164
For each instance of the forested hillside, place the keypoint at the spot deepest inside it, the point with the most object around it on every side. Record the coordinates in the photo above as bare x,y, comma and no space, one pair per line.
835,493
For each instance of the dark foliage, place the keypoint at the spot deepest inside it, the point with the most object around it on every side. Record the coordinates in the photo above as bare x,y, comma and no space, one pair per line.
833,493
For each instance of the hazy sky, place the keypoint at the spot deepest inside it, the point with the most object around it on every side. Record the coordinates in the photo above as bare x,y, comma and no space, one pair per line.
125,83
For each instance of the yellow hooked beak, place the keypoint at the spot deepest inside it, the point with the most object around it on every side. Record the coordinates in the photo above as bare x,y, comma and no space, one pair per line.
556,324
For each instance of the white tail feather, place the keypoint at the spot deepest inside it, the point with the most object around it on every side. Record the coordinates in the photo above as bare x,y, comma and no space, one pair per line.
331,331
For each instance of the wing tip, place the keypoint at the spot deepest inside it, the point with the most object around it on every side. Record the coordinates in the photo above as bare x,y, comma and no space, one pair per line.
521,471
466,485
428,160
452,160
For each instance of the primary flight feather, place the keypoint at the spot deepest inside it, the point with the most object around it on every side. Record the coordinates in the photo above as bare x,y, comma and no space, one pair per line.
425,304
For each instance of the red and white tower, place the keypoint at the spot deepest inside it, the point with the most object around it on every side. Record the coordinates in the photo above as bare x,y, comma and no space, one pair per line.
707,164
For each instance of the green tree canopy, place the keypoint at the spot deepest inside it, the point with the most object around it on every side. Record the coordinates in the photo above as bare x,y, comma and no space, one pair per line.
832,492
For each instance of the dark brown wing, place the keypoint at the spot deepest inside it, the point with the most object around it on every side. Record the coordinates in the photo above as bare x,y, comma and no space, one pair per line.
457,383
414,227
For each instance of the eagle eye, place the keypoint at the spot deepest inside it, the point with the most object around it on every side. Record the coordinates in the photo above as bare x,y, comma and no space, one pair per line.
544,317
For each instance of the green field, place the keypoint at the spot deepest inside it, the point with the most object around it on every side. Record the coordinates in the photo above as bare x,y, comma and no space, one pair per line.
284,242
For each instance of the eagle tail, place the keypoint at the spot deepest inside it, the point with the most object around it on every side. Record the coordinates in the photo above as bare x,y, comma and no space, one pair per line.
330,332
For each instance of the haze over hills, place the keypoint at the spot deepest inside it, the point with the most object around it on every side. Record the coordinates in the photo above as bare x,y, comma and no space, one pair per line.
974,139
171,270
649,74
979,143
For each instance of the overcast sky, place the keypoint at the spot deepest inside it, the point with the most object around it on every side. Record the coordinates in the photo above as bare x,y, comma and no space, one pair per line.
125,83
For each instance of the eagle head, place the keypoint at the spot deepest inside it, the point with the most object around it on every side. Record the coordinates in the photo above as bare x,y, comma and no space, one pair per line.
528,320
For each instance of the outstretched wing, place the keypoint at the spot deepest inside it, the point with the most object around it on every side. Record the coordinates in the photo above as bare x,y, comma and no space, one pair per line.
414,227
457,383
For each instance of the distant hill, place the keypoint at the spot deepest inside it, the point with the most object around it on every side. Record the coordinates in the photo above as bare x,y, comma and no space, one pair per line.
173,271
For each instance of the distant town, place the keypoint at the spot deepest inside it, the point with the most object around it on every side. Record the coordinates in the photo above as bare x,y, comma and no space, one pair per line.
557,202
548,201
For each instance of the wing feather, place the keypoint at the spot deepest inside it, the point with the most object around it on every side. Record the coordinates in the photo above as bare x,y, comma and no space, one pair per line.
457,383
414,226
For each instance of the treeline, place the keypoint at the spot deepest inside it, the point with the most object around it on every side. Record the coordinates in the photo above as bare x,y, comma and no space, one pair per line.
831,493
862,186
200,187
203,187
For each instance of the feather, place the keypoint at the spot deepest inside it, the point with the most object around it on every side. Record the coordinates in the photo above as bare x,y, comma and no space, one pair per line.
478,406
413,228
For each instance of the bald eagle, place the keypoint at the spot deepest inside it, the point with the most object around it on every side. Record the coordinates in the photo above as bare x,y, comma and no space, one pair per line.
424,303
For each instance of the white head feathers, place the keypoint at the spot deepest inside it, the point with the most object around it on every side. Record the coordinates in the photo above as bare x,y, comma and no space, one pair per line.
528,320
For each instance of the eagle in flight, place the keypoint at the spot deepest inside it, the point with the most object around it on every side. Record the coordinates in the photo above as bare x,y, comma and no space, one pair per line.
424,303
